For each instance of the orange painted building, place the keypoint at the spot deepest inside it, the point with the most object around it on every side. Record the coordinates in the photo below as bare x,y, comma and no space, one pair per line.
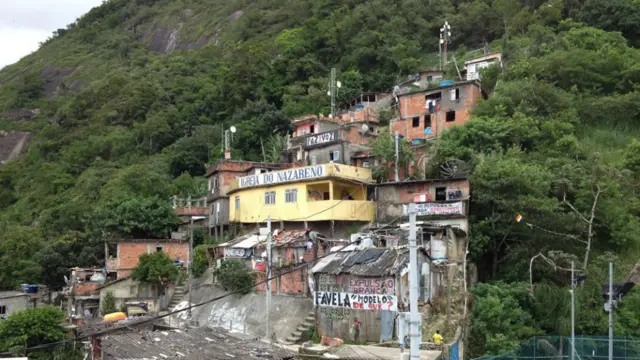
450,106
122,256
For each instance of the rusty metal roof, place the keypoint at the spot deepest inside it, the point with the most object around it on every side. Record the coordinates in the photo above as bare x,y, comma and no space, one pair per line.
290,238
369,262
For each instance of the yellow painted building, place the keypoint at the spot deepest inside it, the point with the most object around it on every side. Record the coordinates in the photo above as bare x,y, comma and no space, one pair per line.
312,193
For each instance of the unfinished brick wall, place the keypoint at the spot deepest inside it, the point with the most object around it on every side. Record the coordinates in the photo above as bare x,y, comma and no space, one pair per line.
88,288
413,106
129,253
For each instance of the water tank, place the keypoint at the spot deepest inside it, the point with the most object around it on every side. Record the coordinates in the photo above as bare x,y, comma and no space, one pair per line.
32,289
446,83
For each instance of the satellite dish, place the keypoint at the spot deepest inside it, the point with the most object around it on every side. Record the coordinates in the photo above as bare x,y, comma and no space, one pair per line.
455,169
233,129
339,84
365,128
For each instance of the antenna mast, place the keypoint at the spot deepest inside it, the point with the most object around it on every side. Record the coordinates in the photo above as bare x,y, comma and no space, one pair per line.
445,36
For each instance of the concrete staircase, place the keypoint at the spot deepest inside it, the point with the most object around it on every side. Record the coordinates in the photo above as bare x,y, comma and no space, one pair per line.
177,297
296,336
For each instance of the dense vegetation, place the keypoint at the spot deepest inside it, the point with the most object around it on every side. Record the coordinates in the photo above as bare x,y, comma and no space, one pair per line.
130,127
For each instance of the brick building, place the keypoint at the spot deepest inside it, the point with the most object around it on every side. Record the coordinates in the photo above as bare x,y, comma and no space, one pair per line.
220,176
426,113
122,256
320,140
290,248
81,294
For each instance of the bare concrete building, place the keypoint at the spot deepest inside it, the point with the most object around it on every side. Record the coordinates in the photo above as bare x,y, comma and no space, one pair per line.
11,302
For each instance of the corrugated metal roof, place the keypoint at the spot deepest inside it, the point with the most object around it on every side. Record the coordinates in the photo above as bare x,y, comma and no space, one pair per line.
250,242
191,344
369,262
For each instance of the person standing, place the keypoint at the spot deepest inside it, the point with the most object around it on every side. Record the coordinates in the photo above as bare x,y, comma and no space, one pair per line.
437,338
356,330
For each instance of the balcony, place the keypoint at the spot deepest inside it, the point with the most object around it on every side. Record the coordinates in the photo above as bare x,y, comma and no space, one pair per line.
341,210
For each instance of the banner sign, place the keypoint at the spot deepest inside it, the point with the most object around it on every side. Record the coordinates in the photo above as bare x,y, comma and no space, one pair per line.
426,209
322,138
231,252
282,176
356,301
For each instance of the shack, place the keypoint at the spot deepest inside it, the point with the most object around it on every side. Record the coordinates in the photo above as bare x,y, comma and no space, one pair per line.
370,285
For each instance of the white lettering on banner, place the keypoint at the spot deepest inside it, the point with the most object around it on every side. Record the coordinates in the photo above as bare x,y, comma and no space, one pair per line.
275,177
231,252
356,301
426,209
322,138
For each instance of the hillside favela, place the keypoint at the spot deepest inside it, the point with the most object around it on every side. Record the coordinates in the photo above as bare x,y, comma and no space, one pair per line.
326,179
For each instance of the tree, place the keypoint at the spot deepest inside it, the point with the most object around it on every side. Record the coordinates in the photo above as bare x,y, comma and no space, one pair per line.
136,217
383,148
17,254
156,268
501,318
234,275
200,262
108,304
32,327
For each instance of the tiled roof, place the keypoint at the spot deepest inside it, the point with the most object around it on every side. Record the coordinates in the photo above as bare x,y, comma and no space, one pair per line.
189,344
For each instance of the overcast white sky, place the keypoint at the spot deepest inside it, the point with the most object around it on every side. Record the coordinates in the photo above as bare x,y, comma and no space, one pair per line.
25,23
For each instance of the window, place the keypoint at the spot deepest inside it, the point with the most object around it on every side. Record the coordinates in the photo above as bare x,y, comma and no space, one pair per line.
441,194
427,121
159,249
451,116
269,197
334,155
3,310
454,94
416,121
215,184
429,78
312,129
291,195
304,132
133,290
237,202
365,164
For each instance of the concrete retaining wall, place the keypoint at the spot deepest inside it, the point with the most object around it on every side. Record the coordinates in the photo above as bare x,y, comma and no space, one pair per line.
245,313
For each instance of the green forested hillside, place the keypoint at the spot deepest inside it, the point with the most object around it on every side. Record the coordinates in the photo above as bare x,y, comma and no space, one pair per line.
134,96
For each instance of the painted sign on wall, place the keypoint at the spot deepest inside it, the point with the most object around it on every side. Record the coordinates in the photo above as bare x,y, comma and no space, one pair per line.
361,285
356,301
282,176
426,209
322,138
231,252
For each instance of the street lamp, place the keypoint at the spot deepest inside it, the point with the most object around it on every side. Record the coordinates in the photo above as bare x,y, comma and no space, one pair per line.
228,139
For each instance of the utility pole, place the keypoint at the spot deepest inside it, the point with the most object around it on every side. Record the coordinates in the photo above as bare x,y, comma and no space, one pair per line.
190,268
445,35
334,85
414,317
397,156
610,311
268,285
573,313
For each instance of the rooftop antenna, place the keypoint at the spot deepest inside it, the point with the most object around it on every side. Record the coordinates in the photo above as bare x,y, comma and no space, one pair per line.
334,85
445,35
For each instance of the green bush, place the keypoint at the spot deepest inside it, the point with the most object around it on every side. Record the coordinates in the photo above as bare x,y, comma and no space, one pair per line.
234,275
108,304
200,262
